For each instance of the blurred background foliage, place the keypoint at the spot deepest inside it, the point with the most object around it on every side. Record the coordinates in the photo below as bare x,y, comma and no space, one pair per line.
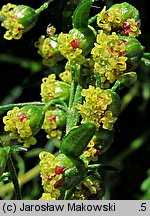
21,74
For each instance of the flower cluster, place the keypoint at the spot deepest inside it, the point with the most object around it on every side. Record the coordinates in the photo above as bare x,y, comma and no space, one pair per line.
14,28
91,153
19,127
90,188
48,49
69,47
51,173
109,58
58,173
79,106
17,20
121,18
48,88
95,107
54,121
52,88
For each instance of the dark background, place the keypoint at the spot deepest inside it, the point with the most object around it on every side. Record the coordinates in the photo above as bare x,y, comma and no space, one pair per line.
21,73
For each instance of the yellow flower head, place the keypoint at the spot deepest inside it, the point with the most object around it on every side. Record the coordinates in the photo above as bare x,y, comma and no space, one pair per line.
95,108
131,28
51,175
14,28
48,88
110,19
88,189
114,19
90,152
48,49
52,88
66,76
19,127
69,48
17,19
109,58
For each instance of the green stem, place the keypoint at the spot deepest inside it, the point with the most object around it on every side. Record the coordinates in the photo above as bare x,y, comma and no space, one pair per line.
75,98
116,85
47,105
146,55
31,174
55,102
14,178
43,7
69,193
98,80
72,90
73,115
11,106
62,195
146,61
92,19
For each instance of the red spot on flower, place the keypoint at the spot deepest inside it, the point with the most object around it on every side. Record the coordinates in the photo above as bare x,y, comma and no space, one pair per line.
22,117
97,153
111,49
120,53
106,15
59,169
120,42
19,29
100,98
52,118
57,184
74,44
52,56
126,27
48,177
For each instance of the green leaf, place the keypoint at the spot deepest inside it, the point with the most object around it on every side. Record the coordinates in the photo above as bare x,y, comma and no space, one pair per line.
77,140
81,14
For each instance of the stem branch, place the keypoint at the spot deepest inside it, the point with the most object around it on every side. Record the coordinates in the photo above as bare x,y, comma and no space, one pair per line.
43,7
14,177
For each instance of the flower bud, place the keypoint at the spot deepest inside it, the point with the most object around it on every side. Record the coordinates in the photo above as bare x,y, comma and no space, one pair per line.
35,115
127,10
59,173
121,18
129,79
85,38
23,123
26,16
17,20
55,120
77,44
72,171
100,107
134,51
103,139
